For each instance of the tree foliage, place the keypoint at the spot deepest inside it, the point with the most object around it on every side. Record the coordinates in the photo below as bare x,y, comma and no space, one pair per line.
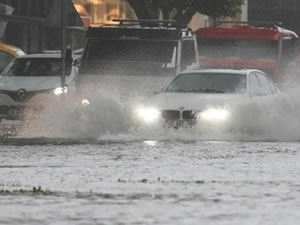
183,10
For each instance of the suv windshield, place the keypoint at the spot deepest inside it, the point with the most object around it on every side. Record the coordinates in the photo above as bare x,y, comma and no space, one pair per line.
208,83
37,67
129,57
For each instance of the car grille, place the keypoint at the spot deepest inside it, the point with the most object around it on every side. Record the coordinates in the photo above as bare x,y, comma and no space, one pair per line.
18,112
170,114
188,115
12,112
176,114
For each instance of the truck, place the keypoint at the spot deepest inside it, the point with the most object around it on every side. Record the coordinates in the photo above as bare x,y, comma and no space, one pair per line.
269,49
135,56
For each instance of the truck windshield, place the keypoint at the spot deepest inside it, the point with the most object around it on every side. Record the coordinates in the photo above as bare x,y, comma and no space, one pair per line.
124,57
244,49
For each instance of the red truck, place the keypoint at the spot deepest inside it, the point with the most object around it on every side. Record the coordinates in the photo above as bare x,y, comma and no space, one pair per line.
267,49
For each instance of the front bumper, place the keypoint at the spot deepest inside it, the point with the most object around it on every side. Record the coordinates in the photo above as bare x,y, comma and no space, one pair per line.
188,123
179,118
13,108
11,112
186,118
168,118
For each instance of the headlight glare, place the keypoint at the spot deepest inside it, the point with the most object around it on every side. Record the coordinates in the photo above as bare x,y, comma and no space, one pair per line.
60,91
148,115
214,115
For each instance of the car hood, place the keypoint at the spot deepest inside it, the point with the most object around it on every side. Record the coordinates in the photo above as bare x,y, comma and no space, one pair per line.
9,83
194,101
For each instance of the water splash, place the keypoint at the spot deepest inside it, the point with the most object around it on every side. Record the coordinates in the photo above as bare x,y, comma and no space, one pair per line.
275,118
68,118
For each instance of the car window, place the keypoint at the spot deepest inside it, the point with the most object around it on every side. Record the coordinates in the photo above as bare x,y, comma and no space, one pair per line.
254,85
272,85
264,83
36,67
188,54
5,58
245,49
208,83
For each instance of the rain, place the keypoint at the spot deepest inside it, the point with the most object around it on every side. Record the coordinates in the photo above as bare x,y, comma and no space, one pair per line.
87,155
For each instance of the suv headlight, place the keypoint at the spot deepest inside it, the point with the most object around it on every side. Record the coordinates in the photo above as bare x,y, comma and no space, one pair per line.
148,115
214,115
60,90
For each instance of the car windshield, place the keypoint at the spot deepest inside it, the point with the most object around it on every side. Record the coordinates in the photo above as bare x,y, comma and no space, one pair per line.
129,57
36,67
244,49
208,83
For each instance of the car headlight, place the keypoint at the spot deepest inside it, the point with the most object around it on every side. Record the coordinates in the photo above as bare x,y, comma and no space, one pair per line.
60,91
85,102
214,115
148,115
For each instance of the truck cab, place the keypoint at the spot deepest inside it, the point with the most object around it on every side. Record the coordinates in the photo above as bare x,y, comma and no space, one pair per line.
242,46
130,58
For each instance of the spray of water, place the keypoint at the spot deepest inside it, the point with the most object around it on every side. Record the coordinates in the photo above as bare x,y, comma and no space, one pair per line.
67,118
274,118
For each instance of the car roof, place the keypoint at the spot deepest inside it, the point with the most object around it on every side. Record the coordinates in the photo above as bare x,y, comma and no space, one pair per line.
231,71
244,33
137,33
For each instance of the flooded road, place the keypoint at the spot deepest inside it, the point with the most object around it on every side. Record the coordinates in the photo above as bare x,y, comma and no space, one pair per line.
51,181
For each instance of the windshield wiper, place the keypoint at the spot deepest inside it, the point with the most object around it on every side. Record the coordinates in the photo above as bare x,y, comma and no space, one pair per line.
206,90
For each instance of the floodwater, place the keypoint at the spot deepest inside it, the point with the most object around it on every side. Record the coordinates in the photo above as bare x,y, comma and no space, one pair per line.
149,182
101,172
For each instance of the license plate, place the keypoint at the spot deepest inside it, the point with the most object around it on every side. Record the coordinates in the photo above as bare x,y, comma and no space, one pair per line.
180,123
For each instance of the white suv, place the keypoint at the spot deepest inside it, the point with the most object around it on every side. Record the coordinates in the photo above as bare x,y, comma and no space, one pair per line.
31,76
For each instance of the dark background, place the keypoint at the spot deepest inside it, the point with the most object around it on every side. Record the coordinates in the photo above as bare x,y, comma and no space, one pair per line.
43,30
34,36
285,11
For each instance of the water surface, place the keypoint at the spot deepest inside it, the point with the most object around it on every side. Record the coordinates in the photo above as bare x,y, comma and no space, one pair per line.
149,182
